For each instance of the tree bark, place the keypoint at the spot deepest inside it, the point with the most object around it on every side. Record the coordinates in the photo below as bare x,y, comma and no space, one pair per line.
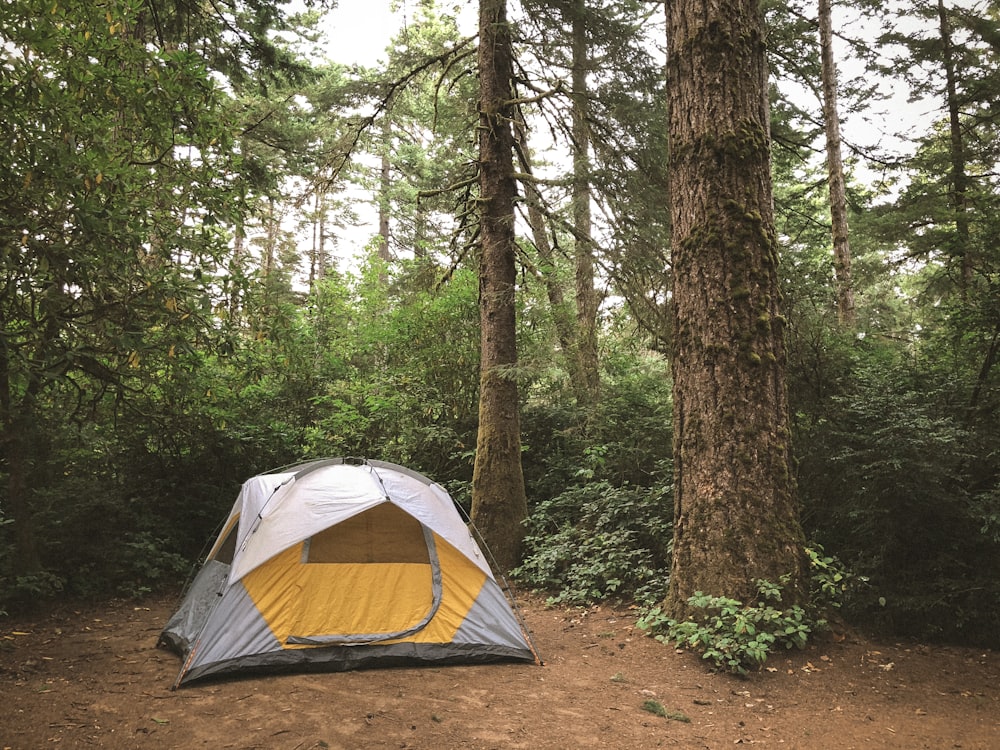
385,173
959,175
586,296
499,505
736,515
317,253
236,262
562,312
17,436
835,170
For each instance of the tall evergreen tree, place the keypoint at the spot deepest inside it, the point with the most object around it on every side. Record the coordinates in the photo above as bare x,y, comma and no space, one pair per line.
499,503
736,513
426,141
950,65
835,169
586,295
602,94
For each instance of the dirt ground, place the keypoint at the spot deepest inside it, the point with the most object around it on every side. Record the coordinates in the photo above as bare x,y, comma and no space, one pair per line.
91,676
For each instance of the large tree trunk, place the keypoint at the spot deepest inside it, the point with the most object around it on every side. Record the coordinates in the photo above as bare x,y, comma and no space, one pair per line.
736,516
499,506
835,170
586,295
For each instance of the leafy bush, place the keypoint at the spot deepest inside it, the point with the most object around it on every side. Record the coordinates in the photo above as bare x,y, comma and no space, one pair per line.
31,587
144,564
831,582
902,487
595,541
739,637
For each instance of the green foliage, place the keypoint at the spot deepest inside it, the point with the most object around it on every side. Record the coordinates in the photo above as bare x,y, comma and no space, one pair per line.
145,563
601,525
31,587
831,582
736,637
891,484
658,709
625,439
739,637
984,508
597,541
118,178
403,380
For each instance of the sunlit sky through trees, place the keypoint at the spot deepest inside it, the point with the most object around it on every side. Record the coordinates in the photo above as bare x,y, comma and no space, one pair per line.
359,31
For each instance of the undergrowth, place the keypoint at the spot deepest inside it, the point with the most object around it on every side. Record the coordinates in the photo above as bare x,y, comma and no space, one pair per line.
597,541
738,637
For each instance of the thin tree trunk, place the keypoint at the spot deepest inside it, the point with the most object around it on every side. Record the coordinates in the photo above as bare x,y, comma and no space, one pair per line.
236,273
586,296
385,185
959,176
322,260
562,314
736,512
499,505
835,171
984,372
314,252
269,268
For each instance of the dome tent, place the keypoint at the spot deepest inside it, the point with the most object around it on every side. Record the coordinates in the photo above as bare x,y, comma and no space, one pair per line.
340,564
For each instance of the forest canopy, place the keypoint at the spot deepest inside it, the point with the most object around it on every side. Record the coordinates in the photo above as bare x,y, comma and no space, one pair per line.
190,296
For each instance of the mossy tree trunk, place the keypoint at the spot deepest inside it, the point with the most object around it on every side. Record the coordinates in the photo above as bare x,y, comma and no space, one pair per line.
736,516
499,506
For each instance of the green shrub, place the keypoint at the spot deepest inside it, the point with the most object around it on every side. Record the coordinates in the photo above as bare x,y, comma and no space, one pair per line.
144,563
596,541
831,582
903,487
31,587
738,637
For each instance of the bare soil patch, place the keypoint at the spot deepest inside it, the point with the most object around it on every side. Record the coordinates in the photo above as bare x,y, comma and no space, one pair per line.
91,676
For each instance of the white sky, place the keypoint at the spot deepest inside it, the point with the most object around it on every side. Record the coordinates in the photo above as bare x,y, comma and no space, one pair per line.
358,31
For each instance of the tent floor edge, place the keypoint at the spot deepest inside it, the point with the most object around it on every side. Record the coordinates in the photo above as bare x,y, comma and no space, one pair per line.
352,658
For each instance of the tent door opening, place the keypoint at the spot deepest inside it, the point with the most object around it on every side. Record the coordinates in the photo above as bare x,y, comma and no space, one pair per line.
372,578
